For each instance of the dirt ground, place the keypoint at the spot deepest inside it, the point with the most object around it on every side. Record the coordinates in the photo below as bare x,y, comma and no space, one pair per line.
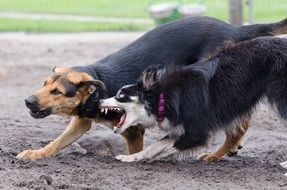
89,164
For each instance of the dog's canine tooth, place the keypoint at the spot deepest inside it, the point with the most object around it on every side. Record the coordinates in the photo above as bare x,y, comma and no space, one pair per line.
102,110
106,110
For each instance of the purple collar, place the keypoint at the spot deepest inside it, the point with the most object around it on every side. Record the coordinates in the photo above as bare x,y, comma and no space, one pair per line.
161,108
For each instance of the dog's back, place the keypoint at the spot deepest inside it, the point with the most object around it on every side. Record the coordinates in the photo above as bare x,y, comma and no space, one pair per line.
182,42
188,40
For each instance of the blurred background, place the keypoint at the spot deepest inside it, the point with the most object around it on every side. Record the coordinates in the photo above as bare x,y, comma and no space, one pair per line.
128,15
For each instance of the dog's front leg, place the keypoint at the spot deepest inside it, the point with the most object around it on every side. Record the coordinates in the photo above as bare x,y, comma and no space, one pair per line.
76,128
134,137
162,149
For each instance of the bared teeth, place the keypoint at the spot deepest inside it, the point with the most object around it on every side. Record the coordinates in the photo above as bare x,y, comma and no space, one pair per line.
114,109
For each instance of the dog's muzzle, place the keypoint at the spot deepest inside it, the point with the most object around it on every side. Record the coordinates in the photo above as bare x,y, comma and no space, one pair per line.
32,103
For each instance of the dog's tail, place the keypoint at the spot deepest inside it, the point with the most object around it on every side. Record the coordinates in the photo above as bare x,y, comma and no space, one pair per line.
253,31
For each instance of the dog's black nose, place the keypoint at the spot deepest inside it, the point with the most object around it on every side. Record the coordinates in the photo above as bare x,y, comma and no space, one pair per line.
31,103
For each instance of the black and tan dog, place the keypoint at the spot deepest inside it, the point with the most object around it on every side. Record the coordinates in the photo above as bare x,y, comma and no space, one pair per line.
76,91
192,102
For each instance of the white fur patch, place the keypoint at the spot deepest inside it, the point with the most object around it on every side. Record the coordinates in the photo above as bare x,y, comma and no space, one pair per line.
176,131
159,150
184,155
166,126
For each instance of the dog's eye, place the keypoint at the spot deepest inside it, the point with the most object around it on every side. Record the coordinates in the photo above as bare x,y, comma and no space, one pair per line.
56,92
121,96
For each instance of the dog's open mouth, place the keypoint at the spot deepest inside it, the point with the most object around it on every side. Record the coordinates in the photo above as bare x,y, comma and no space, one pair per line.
115,112
40,114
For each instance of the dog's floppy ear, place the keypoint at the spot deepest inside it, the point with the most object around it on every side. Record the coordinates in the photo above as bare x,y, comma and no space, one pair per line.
94,85
97,91
148,77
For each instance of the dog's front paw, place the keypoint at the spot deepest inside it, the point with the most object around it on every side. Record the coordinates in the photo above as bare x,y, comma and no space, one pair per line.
209,157
32,155
127,158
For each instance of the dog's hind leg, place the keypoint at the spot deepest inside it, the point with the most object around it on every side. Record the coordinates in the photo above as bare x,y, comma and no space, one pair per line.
232,140
239,145
75,130
134,137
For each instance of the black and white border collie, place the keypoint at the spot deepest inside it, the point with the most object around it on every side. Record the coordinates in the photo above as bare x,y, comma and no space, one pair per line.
192,102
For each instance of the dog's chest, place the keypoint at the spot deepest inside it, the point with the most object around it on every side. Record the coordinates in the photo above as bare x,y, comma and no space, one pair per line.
172,131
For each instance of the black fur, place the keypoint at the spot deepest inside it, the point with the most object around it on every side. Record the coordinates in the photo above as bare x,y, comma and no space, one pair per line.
90,108
209,95
69,87
182,42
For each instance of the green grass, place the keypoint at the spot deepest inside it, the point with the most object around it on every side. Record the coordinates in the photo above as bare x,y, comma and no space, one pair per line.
109,8
65,26
265,11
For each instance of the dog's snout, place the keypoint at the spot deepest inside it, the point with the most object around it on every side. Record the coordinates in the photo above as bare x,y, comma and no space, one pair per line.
31,103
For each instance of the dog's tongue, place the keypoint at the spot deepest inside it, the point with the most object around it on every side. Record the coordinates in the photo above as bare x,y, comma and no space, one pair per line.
122,120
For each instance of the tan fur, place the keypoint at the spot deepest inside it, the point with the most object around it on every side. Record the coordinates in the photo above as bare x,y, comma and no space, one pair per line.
134,137
75,130
76,77
62,105
232,140
61,69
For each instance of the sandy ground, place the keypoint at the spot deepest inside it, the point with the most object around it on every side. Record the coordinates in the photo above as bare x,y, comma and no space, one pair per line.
89,164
